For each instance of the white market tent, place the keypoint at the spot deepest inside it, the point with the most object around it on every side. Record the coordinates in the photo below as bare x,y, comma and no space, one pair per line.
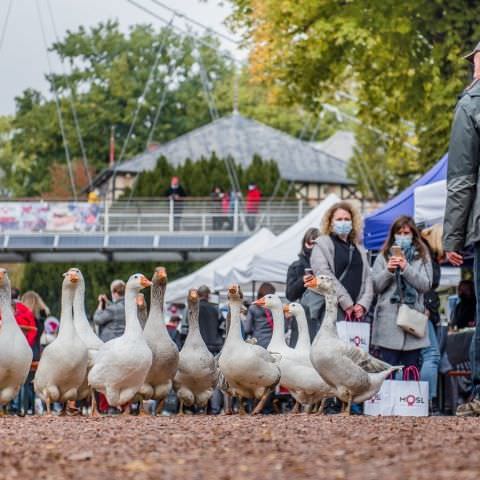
272,263
429,202
178,289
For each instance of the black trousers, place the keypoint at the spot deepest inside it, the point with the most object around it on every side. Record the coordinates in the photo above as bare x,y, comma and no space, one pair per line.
407,358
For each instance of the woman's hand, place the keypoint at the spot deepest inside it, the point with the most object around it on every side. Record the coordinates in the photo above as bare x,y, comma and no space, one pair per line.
393,263
402,263
349,312
307,278
358,311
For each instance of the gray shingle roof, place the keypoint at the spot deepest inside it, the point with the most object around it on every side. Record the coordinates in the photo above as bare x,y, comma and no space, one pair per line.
241,138
340,145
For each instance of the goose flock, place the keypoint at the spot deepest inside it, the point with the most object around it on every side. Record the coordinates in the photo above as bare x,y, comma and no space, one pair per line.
146,364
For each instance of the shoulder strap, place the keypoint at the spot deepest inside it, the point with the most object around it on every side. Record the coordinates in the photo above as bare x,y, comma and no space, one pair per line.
351,250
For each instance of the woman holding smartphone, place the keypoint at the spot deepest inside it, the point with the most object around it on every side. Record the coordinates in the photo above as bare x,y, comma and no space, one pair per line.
402,272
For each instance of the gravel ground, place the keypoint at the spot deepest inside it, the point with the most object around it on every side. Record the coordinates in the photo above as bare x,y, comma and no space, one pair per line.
263,447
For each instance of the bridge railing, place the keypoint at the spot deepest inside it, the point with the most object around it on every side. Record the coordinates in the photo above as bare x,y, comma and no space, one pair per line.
151,215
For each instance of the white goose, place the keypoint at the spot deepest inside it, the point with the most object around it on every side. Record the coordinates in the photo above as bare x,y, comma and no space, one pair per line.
197,373
15,353
165,352
121,365
298,373
63,364
355,374
250,370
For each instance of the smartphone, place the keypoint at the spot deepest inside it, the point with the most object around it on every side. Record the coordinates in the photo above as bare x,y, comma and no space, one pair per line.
396,251
308,271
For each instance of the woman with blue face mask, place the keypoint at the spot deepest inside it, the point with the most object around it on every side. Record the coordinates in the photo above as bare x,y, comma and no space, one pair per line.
338,253
403,263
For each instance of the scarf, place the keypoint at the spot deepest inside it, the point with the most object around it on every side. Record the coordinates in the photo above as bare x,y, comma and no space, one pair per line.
404,292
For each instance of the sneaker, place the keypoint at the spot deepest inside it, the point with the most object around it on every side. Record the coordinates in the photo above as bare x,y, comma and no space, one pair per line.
470,409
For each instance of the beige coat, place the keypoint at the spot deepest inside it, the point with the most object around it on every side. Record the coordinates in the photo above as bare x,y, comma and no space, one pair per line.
323,263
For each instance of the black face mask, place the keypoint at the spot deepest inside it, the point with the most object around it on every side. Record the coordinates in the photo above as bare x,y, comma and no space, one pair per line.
307,251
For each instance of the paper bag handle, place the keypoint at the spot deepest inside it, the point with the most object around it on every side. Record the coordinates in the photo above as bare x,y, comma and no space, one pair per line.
411,373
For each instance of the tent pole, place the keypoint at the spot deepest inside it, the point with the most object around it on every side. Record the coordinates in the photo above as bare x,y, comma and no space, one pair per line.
253,290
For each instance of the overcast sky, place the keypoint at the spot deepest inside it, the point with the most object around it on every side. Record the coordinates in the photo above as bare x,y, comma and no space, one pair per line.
23,60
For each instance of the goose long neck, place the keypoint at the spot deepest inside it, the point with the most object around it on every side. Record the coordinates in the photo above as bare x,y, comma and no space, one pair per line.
303,333
8,317
278,335
329,323
79,312
157,299
194,336
235,327
66,315
132,325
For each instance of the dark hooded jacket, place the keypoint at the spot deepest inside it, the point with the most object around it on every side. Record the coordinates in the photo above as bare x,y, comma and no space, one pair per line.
462,212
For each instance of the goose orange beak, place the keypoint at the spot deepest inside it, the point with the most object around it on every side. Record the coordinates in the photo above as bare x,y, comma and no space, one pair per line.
73,276
145,282
161,273
286,308
260,302
193,294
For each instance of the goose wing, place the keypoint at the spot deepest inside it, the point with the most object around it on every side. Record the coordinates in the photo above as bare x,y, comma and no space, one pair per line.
364,360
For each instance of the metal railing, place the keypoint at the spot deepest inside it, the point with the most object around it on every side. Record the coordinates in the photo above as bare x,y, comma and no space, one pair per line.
196,215
199,215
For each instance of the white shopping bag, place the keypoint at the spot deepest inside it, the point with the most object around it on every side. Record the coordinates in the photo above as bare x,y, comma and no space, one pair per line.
355,333
381,403
410,397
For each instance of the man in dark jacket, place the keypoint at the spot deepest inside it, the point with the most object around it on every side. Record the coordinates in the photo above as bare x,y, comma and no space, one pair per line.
462,212
209,320
176,194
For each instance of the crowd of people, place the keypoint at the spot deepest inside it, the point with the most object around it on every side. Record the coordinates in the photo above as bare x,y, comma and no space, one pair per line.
406,271
224,204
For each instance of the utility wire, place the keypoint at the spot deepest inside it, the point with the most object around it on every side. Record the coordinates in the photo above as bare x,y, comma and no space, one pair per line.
195,22
141,99
222,53
72,103
57,106
5,23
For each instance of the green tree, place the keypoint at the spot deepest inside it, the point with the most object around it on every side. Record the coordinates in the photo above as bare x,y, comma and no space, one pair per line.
109,71
401,60
198,178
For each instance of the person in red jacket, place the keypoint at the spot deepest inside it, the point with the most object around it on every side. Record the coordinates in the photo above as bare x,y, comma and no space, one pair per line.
24,317
25,401
252,207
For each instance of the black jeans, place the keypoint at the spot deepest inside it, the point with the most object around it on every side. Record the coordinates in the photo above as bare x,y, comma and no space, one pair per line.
407,358
475,346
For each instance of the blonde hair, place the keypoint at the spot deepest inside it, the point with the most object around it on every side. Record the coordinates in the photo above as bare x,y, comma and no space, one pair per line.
35,303
326,227
433,237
